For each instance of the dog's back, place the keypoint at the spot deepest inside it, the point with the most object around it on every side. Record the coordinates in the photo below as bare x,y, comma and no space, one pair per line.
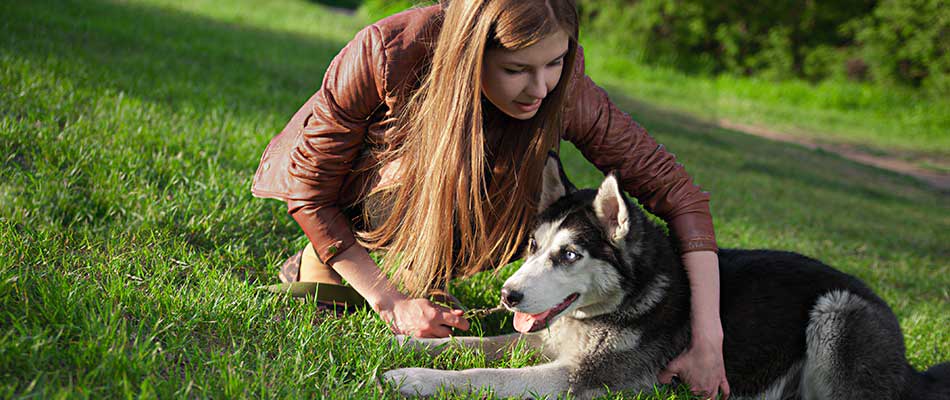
793,325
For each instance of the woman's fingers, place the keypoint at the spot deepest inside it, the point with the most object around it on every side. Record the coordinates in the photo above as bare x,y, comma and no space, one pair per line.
421,318
455,319
442,324
439,331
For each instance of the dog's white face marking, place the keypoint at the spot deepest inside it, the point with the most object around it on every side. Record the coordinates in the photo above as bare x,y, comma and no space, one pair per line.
548,235
550,275
605,295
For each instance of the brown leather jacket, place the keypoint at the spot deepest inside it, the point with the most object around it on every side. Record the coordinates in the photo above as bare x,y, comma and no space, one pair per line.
318,165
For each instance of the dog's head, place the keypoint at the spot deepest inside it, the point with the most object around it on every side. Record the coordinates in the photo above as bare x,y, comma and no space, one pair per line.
578,255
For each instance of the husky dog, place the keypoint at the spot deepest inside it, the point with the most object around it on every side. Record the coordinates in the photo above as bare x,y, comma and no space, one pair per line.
603,295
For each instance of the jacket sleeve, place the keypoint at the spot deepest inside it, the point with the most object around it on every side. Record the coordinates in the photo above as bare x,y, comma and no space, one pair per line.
334,125
612,141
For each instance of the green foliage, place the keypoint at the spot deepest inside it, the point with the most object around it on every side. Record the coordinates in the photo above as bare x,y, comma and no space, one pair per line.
374,10
902,41
908,41
827,62
772,39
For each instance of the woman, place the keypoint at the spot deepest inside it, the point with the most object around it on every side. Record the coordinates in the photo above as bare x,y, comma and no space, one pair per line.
428,137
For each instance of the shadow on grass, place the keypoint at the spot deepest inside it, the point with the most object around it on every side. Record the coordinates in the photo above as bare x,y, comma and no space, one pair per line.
168,56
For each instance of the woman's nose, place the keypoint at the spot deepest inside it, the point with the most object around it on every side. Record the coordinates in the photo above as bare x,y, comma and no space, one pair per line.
537,88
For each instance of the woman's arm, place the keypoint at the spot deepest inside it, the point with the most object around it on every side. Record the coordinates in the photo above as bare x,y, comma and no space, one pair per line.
701,365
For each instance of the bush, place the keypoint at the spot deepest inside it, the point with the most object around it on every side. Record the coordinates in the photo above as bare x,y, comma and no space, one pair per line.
835,63
375,10
907,42
771,39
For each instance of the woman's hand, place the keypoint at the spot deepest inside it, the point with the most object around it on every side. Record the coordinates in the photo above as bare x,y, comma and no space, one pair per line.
701,365
421,318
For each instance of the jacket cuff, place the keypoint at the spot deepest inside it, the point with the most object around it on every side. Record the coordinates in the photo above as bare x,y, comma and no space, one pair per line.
327,228
694,232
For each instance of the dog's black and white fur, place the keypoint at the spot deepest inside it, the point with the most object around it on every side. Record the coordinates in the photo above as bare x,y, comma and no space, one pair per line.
794,328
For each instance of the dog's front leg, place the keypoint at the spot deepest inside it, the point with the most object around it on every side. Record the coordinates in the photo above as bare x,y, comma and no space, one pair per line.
548,380
494,347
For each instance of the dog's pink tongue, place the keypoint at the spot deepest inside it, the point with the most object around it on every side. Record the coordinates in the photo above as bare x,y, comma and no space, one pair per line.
524,323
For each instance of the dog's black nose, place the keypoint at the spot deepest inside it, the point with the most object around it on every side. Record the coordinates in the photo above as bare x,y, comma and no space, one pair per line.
511,298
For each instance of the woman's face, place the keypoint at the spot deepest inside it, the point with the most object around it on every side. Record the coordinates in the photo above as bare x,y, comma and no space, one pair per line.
517,81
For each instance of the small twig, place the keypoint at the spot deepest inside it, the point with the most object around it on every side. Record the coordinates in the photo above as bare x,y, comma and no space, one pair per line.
478,313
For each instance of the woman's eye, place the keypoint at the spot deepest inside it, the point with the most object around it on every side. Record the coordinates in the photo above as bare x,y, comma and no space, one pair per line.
556,62
513,71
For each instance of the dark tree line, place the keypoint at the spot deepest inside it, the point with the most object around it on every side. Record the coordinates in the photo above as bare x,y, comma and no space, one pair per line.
891,41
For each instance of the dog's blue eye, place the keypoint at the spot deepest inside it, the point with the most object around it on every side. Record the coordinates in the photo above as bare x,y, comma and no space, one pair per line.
532,245
570,256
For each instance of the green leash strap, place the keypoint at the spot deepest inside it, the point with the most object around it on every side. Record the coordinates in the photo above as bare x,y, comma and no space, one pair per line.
322,292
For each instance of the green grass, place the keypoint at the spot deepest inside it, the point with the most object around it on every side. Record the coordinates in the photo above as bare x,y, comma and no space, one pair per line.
131,248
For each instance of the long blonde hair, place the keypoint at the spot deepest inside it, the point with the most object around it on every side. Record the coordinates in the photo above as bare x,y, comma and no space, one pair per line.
457,208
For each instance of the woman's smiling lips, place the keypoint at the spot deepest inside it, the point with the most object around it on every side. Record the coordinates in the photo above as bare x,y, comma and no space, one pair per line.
528,107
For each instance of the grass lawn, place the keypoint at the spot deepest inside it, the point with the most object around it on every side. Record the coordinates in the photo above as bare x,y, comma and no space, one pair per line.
131,248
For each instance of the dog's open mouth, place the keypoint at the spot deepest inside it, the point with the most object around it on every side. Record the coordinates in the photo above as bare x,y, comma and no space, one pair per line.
527,323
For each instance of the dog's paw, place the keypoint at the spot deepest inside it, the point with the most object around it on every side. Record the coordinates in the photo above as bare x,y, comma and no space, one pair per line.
414,381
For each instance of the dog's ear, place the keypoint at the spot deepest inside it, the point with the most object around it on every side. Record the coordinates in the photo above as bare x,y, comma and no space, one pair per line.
611,209
554,183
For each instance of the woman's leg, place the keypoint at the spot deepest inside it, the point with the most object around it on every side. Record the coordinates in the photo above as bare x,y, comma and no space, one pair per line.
312,270
306,267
